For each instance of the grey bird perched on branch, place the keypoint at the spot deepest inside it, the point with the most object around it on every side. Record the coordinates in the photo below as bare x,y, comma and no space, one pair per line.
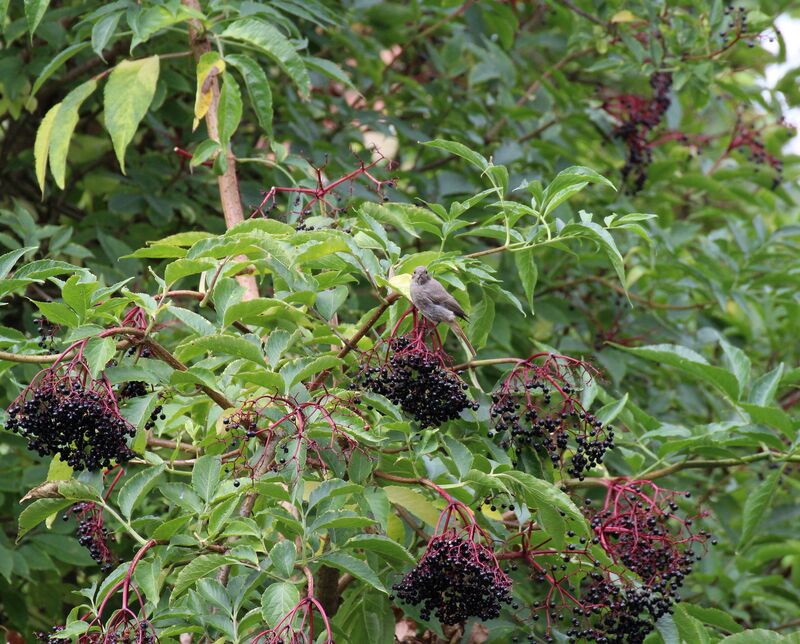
436,304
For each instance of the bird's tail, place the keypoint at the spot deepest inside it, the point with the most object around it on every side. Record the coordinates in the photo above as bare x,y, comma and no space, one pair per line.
463,337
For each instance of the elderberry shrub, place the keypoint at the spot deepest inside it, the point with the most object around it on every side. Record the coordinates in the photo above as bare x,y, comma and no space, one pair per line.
59,415
536,407
92,534
456,579
419,383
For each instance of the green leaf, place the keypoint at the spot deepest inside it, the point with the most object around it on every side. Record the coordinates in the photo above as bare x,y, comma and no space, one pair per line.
136,487
568,182
459,150
756,505
755,636
315,367
126,99
220,344
528,273
283,555
276,602
59,470
37,512
258,88
274,44
62,128
34,11
194,321
481,320
55,64
330,69
329,301
603,238
98,352
712,616
739,364
205,476
7,260
764,389
41,147
689,362
359,569
689,628
198,568
538,493
185,267
229,108
382,545
102,31
58,313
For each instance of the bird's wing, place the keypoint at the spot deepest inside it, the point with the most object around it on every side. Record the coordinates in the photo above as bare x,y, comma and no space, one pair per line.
440,296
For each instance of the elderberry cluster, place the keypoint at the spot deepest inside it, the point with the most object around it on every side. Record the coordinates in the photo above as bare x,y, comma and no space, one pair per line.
522,419
133,389
419,384
92,534
638,117
46,331
82,426
51,637
456,579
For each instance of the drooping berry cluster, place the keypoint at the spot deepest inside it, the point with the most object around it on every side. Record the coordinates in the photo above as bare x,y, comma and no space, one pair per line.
458,577
537,407
65,411
749,138
639,526
416,377
133,389
289,422
637,116
51,637
92,534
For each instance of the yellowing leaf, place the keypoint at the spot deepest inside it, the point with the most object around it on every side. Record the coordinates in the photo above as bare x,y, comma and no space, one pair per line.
209,66
63,126
402,284
624,16
127,97
42,144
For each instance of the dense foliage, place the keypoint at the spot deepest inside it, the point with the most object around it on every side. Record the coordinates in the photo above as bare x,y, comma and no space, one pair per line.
212,369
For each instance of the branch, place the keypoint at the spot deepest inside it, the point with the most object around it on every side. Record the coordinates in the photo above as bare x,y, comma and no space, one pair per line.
228,182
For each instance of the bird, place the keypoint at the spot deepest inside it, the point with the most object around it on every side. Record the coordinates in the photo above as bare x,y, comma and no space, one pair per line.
436,304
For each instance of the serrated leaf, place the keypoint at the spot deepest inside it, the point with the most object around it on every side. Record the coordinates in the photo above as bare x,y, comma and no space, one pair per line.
329,301
603,238
62,128
127,96
193,320
382,545
316,366
713,616
98,352
359,569
481,320
276,602
229,108
756,505
283,556
184,268
196,569
205,476
689,628
7,260
222,345
764,389
258,88
136,487
266,38
538,493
